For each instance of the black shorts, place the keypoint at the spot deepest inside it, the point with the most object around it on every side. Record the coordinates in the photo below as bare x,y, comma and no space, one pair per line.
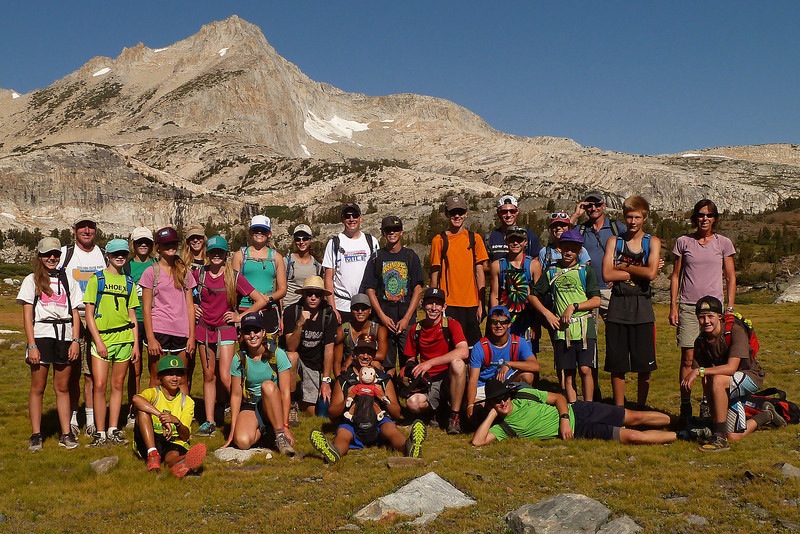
170,343
595,420
573,356
630,348
255,405
52,351
163,445
466,317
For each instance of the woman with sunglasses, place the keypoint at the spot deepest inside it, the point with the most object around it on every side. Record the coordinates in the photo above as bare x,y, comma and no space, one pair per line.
50,302
300,264
264,268
143,257
194,253
218,290
168,306
702,259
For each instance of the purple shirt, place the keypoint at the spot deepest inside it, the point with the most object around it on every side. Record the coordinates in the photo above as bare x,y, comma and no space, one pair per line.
702,266
170,314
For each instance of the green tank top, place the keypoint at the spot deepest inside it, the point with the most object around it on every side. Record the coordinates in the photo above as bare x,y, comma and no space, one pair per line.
260,272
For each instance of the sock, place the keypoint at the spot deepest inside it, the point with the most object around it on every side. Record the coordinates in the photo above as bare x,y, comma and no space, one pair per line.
686,408
151,449
89,416
102,434
762,418
111,430
74,419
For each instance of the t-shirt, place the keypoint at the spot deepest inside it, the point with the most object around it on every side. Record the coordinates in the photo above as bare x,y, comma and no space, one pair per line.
595,243
702,266
549,256
83,265
181,406
170,313
432,343
477,357
113,309
214,298
296,275
399,273
348,266
260,371
707,354
532,419
137,268
314,335
565,285
260,272
457,278
496,244
52,307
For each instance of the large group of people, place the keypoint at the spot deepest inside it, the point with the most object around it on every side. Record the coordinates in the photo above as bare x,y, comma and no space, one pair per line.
339,336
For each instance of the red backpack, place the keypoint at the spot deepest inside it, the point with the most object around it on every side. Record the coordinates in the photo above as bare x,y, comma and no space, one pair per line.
736,318
487,350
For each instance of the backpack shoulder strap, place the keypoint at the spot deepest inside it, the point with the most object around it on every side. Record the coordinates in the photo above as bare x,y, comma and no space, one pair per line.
289,264
101,289
514,349
370,243
448,336
471,236
646,248
243,369
68,256
510,432
487,351
614,227
526,267
126,269
336,243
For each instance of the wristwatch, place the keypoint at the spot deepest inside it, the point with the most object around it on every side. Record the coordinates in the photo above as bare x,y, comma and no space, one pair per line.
575,307
326,379
76,340
564,416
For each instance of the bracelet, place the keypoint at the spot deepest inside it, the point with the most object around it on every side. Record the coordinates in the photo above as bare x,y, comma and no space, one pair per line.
76,340
729,309
31,347
286,424
702,372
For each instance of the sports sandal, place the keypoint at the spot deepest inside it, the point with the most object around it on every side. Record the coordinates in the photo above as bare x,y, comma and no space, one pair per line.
325,448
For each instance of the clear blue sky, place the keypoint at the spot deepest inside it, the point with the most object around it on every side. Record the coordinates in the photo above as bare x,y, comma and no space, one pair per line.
639,77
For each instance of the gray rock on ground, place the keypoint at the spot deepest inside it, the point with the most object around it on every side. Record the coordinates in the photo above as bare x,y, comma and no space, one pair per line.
788,470
425,496
230,454
567,513
621,525
104,465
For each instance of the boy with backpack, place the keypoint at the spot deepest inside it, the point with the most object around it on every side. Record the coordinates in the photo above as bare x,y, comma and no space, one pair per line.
631,262
393,283
110,300
575,293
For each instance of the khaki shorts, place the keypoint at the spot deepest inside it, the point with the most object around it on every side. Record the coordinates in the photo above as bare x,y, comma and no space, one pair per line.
688,327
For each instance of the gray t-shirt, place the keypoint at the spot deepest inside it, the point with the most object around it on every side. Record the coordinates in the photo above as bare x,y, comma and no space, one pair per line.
296,275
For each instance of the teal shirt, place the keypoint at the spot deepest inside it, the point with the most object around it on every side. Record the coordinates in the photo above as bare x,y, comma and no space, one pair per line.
137,268
259,371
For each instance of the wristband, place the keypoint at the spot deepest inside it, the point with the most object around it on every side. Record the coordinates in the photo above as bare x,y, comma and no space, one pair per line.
31,347
702,372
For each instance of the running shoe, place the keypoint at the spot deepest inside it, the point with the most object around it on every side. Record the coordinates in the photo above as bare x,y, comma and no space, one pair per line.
454,424
130,423
192,460
415,438
207,429
294,417
35,442
325,447
98,441
284,445
75,429
154,461
91,430
717,444
701,434
67,441
117,437
777,419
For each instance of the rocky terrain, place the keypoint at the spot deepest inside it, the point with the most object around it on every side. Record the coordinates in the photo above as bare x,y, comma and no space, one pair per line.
219,125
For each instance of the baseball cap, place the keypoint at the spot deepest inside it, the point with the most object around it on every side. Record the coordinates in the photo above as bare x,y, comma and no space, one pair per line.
141,232
517,231
500,310
252,321
368,342
351,208
433,293
166,235
48,244
360,299
217,242
507,199
559,217
84,218
195,229
117,245
708,304
170,363
260,221
455,202
595,195
391,221
573,236
302,229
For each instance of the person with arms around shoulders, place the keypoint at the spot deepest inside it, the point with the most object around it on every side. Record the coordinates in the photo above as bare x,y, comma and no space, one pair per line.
393,282
300,264
110,300
164,416
52,326
507,213
362,324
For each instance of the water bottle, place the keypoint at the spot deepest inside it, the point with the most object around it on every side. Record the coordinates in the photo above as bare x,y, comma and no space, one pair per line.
322,407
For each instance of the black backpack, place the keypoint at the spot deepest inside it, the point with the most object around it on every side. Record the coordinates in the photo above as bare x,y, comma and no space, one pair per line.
365,420
754,404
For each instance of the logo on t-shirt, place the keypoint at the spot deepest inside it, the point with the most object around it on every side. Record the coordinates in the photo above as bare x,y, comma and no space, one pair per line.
354,256
395,280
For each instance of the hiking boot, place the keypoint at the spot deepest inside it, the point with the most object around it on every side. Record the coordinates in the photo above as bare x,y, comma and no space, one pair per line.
454,424
98,440
191,461
324,447
284,445
67,441
117,437
35,442
294,418
154,461
415,438
777,419
717,444
207,429
90,430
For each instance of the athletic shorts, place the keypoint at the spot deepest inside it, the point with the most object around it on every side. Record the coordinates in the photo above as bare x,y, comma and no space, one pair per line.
437,389
469,322
162,444
310,383
355,443
688,327
595,420
573,356
116,353
169,343
224,335
630,348
52,351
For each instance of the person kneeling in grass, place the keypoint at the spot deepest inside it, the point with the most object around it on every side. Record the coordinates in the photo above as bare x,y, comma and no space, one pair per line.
533,414
355,432
163,419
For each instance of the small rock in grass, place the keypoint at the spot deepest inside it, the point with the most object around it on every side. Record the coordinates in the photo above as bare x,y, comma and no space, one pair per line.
404,461
104,465
788,470
621,525
696,520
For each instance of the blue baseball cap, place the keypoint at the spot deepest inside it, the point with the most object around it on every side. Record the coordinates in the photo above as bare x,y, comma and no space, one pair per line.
500,310
117,245
216,242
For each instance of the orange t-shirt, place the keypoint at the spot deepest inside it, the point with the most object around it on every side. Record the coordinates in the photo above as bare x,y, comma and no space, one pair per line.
457,278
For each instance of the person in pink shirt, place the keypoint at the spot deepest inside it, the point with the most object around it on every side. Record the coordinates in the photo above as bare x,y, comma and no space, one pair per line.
702,259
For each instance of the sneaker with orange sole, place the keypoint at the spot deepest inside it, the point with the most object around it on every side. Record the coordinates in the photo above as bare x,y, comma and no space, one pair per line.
154,461
192,460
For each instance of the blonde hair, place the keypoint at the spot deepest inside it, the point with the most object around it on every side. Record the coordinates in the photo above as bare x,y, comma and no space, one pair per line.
229,275
636,203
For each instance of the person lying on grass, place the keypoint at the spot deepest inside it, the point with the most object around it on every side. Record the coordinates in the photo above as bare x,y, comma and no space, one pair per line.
163,422
533,414
364,430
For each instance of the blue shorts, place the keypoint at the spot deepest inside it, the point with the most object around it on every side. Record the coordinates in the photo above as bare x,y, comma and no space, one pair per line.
355,443
595,420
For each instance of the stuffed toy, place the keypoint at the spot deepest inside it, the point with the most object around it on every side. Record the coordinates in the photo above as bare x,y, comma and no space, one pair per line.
366,386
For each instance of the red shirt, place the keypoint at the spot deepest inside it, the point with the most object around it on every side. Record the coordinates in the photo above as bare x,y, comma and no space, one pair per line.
433,344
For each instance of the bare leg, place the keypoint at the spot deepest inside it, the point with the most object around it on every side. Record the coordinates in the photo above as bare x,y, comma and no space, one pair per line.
752,426
119,370
271,400
647,418
392,434
569,385
458,382
618,388
587,382
100,370
646,437
61,376
208,359
144,422
36,396
226,355
342,441
643,388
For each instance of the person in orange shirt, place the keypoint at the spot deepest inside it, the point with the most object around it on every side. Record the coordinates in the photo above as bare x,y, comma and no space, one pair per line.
458,260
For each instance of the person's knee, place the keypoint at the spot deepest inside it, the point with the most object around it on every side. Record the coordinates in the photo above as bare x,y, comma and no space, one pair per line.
585,371
269,388
417,403
458,368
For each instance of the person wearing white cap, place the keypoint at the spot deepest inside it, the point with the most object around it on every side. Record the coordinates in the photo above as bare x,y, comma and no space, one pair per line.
507,213
300,264
263,267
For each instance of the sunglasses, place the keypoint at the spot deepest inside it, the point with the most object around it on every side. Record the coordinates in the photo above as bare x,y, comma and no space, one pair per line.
259,231
301,238
500,400
51,254
360,309
350,216
458,212
587,205
143,242
706,215
499,321
562,215
120,254
251,331
317,294
507,212
515,240
392,230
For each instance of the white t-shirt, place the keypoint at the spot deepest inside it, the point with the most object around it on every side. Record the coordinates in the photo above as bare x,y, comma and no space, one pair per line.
349,267
82,266
51,307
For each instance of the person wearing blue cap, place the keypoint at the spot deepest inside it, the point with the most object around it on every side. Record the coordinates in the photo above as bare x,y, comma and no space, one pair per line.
111,299
575,293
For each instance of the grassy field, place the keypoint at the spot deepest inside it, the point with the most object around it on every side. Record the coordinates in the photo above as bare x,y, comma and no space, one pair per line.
658,486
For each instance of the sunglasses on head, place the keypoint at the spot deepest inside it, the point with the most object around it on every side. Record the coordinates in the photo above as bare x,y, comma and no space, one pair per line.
562,215
458,212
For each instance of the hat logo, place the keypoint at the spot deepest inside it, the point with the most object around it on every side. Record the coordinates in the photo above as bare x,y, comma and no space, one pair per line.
173,362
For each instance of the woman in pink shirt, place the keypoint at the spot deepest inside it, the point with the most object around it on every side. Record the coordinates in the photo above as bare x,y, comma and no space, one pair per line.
702,259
